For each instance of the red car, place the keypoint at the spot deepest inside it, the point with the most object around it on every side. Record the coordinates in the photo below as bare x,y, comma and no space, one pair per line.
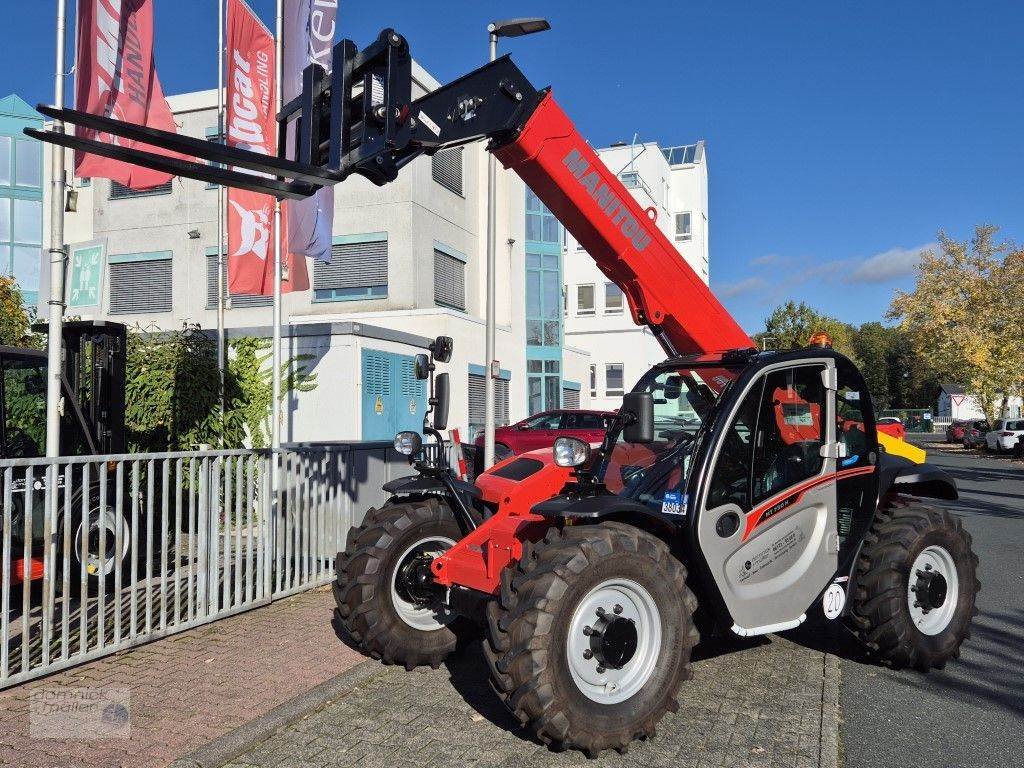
892,426
541,430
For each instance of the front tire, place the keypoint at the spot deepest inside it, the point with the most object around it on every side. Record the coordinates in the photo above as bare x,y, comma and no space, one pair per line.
916,586
390,614
591,636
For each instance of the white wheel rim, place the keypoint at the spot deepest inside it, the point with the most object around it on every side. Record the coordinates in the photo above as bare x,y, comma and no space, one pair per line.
422,618
621,599
94,564
934,620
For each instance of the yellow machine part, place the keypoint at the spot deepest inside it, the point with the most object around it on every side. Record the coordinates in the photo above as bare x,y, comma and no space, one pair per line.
902,448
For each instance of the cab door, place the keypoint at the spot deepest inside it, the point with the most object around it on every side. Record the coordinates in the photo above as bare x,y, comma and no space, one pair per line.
767,525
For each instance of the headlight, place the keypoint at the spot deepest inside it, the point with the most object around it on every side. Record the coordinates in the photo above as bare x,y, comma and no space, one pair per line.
408,443
570,452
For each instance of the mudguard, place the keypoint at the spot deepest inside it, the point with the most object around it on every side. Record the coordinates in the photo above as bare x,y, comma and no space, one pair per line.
900,475
609,507
425,484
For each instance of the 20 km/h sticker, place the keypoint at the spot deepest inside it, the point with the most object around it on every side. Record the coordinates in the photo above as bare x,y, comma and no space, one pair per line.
833,600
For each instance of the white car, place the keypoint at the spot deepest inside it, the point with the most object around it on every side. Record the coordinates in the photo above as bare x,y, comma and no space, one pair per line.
1004,435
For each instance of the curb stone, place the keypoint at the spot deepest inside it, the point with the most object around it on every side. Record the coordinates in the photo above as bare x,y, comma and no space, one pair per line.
227,747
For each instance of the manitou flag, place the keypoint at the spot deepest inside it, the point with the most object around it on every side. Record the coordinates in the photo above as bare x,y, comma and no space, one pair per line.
309,27
116,77
252,125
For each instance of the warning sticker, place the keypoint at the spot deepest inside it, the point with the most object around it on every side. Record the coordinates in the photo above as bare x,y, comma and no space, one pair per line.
378,407
425,119
797,414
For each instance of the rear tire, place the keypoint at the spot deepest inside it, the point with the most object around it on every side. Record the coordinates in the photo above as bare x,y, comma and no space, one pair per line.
905,614
381,616
541,659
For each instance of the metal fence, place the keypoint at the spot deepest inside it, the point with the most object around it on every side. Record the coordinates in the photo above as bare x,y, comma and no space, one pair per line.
103,553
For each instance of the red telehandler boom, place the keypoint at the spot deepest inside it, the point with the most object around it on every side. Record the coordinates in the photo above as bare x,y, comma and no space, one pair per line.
751,484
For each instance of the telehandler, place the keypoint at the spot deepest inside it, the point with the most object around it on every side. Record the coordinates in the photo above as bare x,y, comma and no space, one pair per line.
736,488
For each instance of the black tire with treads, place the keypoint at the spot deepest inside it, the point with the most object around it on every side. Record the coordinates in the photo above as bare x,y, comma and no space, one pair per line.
879,614
528,624
362,588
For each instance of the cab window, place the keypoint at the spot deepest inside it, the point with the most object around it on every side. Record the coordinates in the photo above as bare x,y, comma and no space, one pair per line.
774,440
24,408
588,421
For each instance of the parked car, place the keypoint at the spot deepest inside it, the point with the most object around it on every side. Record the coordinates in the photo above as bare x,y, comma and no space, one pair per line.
892,426
974,433
955,431
1004,435
542,429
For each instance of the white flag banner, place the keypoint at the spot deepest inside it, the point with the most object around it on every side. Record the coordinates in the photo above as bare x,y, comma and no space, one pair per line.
309,31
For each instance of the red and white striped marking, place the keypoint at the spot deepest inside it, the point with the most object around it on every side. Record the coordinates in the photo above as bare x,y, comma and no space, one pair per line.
459,458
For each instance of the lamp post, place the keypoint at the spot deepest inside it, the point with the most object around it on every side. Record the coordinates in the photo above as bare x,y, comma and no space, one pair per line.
507,28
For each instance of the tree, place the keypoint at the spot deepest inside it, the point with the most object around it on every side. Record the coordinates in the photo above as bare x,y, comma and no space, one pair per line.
963,316
875,345
790,326
15,318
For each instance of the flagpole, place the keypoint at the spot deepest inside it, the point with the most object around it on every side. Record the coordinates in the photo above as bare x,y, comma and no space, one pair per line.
221,191
275,409
56,253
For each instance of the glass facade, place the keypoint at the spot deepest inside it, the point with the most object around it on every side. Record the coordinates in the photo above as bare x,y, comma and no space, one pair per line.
543,307
21,196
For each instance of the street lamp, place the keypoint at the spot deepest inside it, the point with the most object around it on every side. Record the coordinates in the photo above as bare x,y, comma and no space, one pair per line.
506,28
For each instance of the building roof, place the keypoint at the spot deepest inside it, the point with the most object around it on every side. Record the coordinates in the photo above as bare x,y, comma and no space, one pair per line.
15,106
953,389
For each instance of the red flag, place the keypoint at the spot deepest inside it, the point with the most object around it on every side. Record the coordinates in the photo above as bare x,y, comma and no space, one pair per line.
116,77
251,124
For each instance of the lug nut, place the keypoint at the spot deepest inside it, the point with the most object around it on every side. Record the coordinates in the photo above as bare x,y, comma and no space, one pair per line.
617,609
588,654
600,670
600,611
588,631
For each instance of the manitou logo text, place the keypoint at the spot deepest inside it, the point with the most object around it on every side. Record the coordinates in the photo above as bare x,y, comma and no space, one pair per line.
606,199
121,68
249,108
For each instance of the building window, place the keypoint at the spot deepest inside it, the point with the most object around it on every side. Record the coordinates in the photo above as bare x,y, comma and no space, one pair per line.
476,403
28,163
119,191
5,161
585,299
449,281
140,283
358,270
630,179
593,381
28,222
446,168
541,224
613,379
21,234
543,300
237,300
612,299
683,226
543,385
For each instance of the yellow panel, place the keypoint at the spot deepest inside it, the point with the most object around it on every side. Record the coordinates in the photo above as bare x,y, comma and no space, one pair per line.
902,448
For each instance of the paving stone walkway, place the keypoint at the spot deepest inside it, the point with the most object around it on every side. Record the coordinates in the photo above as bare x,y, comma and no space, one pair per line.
767,703
188,689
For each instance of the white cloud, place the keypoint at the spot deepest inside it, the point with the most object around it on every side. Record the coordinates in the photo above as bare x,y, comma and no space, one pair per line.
887,265
741,287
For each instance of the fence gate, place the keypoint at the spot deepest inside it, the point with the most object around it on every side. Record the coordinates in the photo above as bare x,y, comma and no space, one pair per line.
103,553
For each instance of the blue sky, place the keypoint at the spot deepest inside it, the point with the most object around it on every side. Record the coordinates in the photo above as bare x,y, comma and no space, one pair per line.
841,136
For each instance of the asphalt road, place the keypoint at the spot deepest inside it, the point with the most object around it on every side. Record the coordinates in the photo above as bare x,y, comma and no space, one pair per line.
972,713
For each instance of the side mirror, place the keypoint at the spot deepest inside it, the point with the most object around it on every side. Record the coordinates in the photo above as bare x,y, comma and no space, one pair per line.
440,402
422,366
673,387
441,348
638,410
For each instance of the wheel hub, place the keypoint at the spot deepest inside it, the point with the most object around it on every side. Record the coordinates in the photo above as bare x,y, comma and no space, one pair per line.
613,641
417,599
930,589
415,582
